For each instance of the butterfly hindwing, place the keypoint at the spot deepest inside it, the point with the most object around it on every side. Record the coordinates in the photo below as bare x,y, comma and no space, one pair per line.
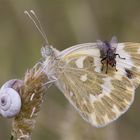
100,98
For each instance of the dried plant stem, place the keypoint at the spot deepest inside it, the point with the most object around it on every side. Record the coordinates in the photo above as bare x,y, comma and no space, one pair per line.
31,94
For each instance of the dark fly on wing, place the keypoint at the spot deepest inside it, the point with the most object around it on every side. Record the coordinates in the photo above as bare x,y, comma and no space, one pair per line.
108,53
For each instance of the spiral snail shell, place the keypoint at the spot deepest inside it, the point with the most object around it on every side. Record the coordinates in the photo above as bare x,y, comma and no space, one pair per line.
10,101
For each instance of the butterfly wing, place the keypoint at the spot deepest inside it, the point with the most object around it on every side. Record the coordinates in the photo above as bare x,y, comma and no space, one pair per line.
99,98
130,67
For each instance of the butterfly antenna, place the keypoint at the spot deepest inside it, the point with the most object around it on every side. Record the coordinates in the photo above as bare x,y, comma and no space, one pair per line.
37,23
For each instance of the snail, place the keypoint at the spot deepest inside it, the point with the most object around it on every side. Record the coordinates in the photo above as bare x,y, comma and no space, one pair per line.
10,101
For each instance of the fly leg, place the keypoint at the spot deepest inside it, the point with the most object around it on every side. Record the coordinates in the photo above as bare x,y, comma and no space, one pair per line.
107,66
115,66
119,56
103,63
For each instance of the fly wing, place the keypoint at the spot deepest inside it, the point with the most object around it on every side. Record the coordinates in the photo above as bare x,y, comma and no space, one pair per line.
102,47
114,43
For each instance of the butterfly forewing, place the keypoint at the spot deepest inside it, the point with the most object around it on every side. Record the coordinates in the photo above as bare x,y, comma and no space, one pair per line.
100,98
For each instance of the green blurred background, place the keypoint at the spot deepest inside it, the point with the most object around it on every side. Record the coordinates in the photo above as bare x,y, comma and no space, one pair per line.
66,22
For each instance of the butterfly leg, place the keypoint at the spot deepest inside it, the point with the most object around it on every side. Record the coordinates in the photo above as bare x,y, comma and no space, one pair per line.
49,83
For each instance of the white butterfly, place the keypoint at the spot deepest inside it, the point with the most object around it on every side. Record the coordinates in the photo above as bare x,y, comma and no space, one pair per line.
99,95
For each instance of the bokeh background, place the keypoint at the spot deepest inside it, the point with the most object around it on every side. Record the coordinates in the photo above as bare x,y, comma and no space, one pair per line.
66,22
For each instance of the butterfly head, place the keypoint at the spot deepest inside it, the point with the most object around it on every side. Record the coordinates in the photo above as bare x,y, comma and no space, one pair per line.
46,51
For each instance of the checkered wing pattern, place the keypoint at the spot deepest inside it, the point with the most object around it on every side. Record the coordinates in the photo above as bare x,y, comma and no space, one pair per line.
100,98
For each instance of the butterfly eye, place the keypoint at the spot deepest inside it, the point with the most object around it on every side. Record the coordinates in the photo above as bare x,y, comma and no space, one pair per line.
48,51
